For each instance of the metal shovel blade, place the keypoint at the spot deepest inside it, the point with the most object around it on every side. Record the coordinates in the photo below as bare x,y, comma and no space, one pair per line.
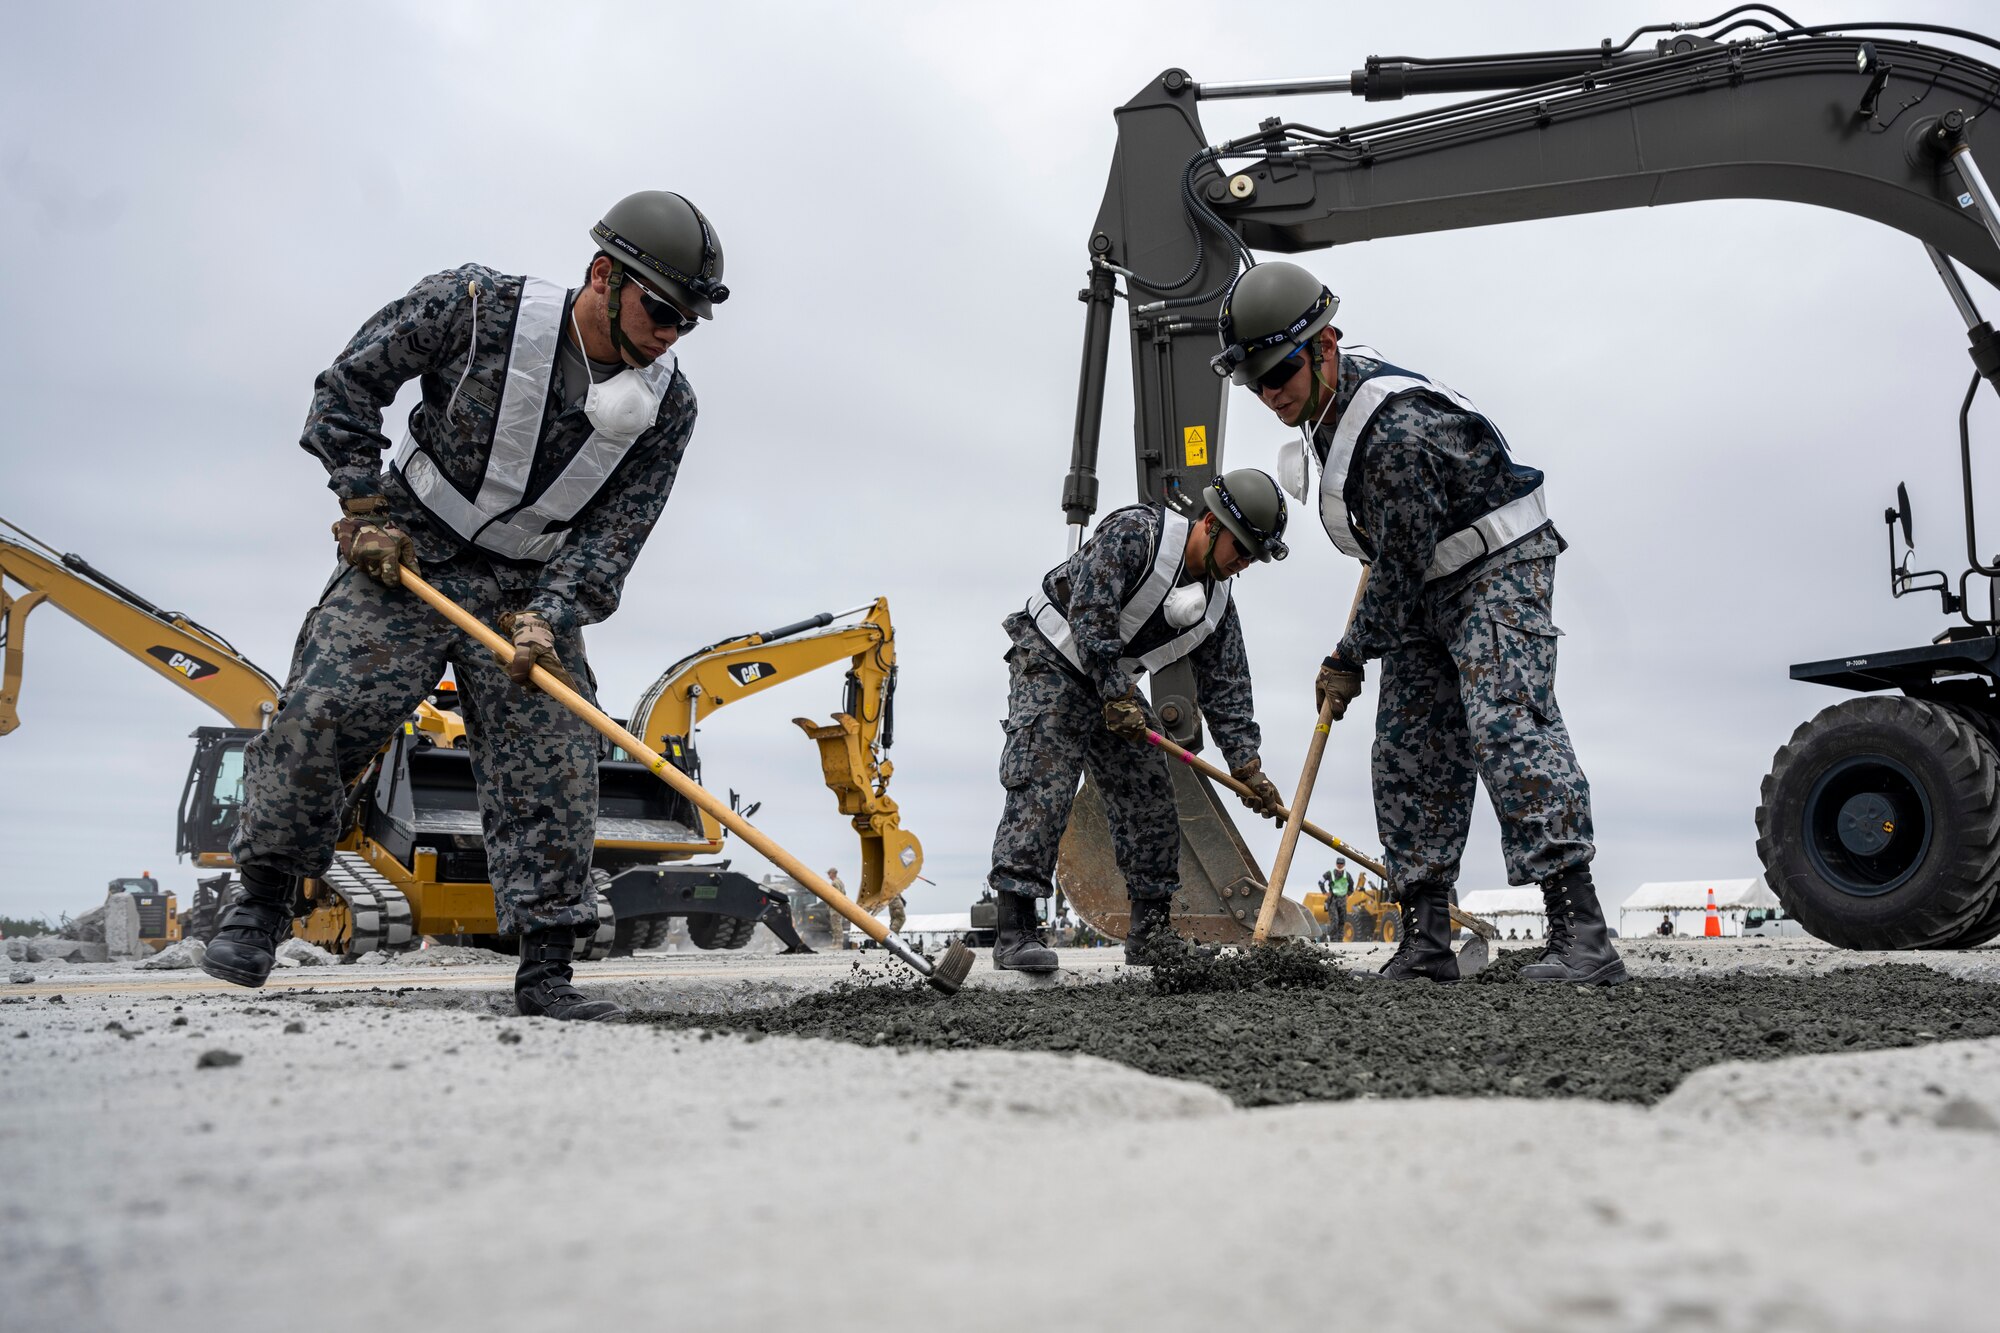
1221,883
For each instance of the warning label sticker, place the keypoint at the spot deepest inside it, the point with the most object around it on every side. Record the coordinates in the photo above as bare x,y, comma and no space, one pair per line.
1196,438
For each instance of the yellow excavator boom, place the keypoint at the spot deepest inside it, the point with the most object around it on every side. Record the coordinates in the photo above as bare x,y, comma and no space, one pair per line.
197,659
851,746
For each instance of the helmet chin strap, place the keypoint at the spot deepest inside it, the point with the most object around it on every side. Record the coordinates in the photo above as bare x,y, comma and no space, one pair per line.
1208,556
1306,432
613,286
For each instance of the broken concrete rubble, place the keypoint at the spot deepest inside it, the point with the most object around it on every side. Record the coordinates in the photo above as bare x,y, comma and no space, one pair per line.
122,927
296,952
182,954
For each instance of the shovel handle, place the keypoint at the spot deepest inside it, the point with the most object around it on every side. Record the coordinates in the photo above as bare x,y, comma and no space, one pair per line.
1289,843
661,769
1214,774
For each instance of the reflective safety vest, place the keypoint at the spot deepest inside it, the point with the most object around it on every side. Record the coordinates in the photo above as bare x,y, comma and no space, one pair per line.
1495,531
500,517
1140,620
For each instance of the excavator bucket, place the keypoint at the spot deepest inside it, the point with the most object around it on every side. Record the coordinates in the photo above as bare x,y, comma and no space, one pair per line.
891,856
1221,883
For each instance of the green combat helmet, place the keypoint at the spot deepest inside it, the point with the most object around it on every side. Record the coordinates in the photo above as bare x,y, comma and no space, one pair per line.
1250,505
666,243
1270,311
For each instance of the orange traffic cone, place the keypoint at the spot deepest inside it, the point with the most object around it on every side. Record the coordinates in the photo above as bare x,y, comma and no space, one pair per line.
1711,926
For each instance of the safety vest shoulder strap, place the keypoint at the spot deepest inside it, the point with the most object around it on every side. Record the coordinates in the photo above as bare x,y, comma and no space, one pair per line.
1493,531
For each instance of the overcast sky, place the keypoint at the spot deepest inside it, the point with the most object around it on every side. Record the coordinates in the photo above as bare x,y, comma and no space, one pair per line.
200,203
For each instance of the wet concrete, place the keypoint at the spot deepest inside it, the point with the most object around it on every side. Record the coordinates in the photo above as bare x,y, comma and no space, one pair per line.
1288,1025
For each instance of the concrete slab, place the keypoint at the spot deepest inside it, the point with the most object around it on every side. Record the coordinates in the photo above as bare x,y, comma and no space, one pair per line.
391,1162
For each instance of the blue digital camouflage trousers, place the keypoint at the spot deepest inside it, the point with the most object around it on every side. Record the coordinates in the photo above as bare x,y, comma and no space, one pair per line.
366,656
1468,696
1055,730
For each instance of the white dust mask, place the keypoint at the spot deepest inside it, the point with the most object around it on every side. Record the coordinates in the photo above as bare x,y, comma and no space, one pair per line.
623,405
1185,605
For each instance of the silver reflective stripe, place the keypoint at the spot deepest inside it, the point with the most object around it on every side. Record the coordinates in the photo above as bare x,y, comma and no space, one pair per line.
1368,400
1169,551
1495,532
524,396
1169,554
1501,528
1054,628
1197,634
493,519
585,474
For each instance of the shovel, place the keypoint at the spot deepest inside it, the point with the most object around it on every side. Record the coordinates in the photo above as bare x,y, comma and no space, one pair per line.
1288,843
1481,928
947,974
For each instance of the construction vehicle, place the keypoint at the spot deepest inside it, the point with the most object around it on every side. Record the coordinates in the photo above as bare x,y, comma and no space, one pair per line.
159,924
852,748
1879,825
411,860
1370,916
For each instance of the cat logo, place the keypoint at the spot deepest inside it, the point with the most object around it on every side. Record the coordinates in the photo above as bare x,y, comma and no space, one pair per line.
182,664
749,673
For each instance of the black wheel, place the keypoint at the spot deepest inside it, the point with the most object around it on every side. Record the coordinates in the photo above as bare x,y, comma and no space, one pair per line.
1987,924
709,931
635,933
1880,824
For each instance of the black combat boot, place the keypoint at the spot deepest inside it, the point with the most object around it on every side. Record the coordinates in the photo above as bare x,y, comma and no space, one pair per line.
1579,943
245,946
1424,951
542,987
1017,943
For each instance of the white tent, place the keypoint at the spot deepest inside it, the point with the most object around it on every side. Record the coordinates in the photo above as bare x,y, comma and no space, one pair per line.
936,928
1518,910
1685,901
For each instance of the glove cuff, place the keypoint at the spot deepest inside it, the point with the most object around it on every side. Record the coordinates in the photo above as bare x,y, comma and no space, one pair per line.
366,506
1337,661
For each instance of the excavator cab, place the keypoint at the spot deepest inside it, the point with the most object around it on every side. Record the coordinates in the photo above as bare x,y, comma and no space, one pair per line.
212,798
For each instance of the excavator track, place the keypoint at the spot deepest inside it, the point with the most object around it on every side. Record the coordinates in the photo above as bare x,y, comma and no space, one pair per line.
377,915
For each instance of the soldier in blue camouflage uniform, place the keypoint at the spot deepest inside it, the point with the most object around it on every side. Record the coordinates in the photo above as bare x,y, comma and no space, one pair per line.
1460,559
1149,587
550,432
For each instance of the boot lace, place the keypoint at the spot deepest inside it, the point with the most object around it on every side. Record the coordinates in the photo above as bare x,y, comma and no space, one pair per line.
1561,935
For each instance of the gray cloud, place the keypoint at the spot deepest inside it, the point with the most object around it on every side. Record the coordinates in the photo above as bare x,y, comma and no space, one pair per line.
202,202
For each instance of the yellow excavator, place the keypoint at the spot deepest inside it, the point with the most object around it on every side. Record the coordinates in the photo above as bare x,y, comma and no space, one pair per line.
852,748
411,861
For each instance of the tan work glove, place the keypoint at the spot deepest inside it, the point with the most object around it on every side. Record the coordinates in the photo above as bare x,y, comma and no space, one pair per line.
1125,717
367,541
1339,680
1264,798
534,646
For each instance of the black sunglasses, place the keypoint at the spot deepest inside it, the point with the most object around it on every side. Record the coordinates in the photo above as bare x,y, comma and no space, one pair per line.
664,313
1278,376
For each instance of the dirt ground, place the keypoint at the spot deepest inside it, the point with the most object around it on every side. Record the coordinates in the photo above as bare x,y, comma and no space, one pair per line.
389,1147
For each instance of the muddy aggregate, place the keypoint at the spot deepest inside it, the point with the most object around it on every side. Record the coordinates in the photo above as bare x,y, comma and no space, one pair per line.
1286,1025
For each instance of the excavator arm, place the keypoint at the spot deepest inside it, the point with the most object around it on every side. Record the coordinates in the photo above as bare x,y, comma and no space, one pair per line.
1862,120
1891,130
851,747
196,659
